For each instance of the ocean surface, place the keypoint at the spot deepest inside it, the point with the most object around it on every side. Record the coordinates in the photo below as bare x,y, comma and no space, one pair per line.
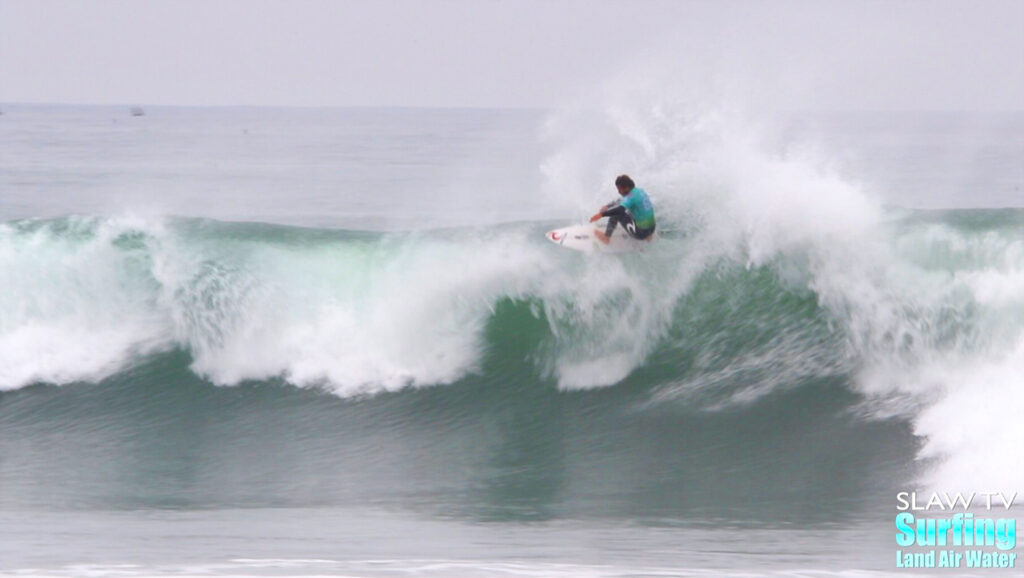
335,342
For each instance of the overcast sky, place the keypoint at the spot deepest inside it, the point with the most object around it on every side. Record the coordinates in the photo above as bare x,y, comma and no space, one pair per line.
509,53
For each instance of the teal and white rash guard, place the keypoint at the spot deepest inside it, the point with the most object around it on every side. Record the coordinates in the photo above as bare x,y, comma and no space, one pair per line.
640,208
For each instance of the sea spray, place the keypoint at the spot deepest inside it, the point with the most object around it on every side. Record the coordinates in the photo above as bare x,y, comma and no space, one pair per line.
922,306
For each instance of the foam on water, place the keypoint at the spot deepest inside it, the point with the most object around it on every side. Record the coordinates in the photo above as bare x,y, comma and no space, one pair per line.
74,308
355,314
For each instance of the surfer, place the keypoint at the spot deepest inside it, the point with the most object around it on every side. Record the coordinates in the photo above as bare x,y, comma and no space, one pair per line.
633,211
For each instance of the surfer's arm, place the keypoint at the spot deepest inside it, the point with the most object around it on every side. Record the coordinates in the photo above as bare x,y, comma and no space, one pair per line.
612,208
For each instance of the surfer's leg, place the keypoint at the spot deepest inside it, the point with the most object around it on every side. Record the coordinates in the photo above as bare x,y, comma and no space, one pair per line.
612,223
630,228
641,234
617,216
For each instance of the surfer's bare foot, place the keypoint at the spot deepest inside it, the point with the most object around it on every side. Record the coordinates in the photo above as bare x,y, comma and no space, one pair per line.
601,236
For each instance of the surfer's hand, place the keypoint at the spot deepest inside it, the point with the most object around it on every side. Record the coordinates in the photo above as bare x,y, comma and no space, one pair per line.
596,217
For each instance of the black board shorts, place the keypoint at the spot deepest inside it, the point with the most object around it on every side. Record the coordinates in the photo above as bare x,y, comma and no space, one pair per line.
620,216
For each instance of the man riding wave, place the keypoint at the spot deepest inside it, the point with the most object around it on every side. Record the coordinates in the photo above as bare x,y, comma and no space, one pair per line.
633,211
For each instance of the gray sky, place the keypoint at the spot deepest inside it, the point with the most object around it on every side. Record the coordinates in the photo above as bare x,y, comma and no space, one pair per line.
830,55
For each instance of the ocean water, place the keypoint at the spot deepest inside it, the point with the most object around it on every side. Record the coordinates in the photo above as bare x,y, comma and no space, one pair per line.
298,342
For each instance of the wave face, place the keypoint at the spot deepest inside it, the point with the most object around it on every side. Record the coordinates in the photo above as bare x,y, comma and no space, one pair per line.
355,312
766,325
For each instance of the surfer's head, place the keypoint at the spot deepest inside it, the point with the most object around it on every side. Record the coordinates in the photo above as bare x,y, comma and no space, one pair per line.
624,184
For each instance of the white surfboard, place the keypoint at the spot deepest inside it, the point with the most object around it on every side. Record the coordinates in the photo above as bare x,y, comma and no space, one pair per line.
582,238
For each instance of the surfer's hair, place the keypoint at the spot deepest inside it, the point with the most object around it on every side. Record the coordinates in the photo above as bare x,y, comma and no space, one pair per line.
625,181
